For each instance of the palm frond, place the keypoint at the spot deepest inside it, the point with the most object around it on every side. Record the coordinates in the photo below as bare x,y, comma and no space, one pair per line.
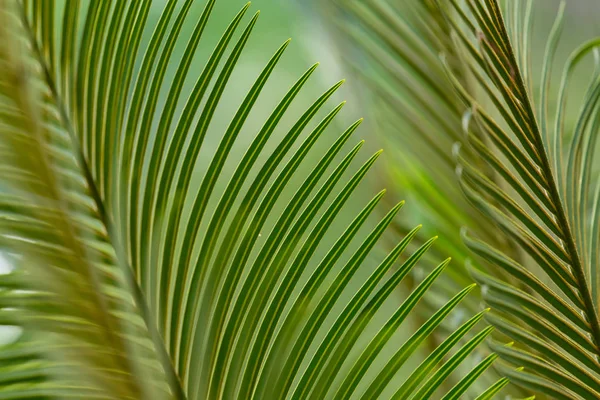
66,282
128,283
520,163
543,203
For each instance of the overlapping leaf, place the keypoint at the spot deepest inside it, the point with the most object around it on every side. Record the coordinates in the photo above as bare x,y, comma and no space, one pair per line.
127,282
393,47
544,203
82,335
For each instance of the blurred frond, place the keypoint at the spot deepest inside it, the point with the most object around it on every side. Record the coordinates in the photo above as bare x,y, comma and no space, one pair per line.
66,282
393,47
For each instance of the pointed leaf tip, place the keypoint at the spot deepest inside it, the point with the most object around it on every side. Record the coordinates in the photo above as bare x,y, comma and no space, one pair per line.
398,206
381,193
357,123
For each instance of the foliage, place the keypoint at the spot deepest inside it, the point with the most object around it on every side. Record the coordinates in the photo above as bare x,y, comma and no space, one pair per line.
543,204
519,164
132,280
393,48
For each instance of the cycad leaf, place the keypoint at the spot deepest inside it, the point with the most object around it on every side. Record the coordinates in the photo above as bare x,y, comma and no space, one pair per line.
79,296
120,291
393,47
553,293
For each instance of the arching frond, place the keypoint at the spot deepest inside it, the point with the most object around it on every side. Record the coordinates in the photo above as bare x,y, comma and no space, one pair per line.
134,278
544,202
393,48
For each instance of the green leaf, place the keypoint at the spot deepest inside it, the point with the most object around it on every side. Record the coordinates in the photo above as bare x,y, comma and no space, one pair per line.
412,344
547,300
433,383
133,279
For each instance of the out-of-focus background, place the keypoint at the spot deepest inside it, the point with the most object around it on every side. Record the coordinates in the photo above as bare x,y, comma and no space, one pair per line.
312,41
